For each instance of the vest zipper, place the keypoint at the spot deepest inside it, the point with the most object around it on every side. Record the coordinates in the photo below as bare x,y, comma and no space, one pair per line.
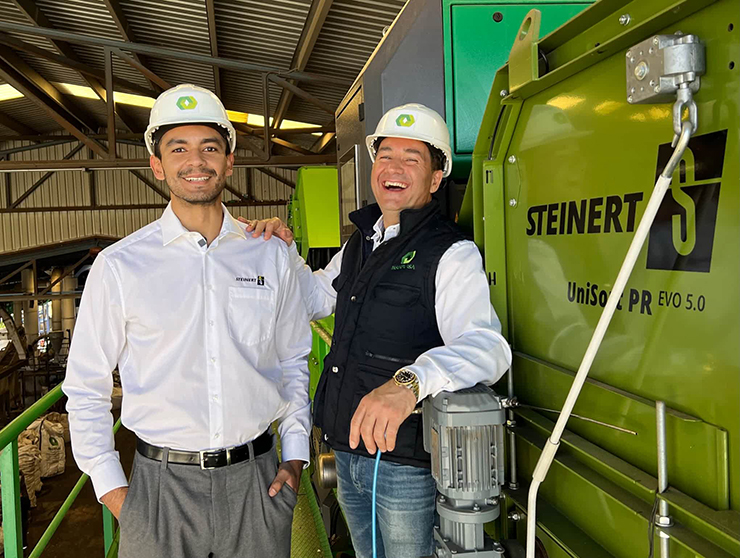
388,358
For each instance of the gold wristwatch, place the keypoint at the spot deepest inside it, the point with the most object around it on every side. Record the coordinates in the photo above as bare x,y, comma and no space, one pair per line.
406,378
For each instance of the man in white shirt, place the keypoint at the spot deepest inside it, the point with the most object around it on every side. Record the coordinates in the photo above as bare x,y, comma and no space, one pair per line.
201,386
413,318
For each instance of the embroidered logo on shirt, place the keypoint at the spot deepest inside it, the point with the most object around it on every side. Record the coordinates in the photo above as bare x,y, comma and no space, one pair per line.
408,257
406,261
259,280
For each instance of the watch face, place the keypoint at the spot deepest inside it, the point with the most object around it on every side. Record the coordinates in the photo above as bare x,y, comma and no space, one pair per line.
404,376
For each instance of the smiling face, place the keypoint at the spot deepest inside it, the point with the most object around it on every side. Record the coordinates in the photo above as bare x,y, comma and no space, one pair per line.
194,163
402,177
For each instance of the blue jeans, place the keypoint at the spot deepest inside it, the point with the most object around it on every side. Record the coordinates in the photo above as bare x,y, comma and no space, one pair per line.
405,505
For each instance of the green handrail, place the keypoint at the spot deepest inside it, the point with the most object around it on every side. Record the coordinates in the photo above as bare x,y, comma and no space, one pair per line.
9,478
17,426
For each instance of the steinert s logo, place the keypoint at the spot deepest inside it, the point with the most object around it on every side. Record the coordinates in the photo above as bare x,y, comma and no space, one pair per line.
682,235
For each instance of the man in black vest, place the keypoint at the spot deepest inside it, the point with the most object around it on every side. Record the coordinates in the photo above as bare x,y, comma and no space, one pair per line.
413,318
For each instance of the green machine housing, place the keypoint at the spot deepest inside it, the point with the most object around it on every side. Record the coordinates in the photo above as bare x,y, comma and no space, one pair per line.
563,167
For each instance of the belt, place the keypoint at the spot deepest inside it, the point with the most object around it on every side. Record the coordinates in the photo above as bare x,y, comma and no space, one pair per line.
208,459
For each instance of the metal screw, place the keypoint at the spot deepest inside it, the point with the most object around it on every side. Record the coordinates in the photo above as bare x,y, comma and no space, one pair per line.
624,19
632,60
629,99
512,202
515,516
632,91
652,83
511,423
512,159
476,507
651,50
656,41
629,54
442,499
642,70
657,89
503,93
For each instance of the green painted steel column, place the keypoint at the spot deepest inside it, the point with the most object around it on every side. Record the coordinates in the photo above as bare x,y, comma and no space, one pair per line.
109,529
11,501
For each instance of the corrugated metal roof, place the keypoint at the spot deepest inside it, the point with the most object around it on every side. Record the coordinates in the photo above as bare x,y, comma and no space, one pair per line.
263,32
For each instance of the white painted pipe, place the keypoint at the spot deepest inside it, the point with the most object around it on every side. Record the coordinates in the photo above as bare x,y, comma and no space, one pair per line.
551,446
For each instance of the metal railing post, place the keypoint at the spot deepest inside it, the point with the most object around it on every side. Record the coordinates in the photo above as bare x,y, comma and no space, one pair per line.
11,501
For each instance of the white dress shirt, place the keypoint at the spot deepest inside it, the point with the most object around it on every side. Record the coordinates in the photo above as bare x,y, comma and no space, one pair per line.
211,343
474,350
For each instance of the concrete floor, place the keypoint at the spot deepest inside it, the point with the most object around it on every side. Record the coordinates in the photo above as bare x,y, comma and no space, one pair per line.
81,532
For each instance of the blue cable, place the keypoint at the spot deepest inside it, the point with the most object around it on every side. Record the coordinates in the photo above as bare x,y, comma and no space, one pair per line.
375,484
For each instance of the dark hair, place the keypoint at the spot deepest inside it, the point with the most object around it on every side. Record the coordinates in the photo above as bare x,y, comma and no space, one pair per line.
436,155
162,130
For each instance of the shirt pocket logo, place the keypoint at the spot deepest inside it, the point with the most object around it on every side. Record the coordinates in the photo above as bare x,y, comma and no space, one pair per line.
251,314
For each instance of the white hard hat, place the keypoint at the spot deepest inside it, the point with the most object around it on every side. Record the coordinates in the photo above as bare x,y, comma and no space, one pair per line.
414,121
188,104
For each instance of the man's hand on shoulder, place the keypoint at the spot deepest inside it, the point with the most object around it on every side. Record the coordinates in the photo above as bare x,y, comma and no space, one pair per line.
272,226
379,416
114,499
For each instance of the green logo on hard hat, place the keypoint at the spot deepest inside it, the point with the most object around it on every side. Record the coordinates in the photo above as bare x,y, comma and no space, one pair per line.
405,120
186,103
408,257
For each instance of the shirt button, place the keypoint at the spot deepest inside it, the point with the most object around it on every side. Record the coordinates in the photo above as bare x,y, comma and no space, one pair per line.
215,397
216,435
368,237
210,322
353,298
335,369
213,359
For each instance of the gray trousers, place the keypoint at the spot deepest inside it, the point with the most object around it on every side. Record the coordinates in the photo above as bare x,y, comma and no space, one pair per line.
182,511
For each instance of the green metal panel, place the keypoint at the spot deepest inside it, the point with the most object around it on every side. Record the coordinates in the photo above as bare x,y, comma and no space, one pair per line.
576,143
475,47
315,209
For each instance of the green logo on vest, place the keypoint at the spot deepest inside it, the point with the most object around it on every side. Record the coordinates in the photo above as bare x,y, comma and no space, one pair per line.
405,261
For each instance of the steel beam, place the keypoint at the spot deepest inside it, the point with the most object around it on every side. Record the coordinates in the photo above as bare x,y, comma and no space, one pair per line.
69,271
16,126
24,72
150,184
303,94
311,29
37,17
5,152
30,92
211,15
240,203
63,137
110,102
121,21
98,164
171,53
276,176
292,146
36,185
80,67
237,193
324,142
18,270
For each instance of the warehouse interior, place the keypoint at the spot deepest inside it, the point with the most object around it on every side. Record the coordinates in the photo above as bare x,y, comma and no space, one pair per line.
593,148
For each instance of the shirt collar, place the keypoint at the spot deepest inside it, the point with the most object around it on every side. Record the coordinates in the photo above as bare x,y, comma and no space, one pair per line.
381,233
173,229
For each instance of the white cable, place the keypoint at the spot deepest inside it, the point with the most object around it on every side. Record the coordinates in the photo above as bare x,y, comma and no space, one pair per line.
551,446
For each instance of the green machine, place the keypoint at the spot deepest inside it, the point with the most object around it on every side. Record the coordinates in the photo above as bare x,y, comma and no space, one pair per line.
313,213
578,126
